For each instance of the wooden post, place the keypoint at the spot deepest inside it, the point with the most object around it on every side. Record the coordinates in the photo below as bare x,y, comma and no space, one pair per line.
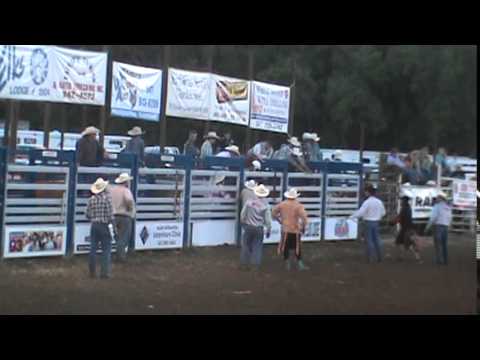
251,77
12,129
105,110
163,117
211,56
47,112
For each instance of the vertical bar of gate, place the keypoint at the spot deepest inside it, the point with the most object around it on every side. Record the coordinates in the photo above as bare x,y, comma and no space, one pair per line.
71,200
324,200
241,180
3,181
187,241
134,172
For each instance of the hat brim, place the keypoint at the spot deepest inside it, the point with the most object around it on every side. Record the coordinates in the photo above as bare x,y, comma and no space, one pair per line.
250,187
290,197
123,181
96,191
262,195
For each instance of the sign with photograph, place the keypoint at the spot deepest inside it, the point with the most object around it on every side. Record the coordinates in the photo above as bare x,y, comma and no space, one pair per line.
230,100
158,236
36,241
82,239
188,94
136,92
270,107
340,229
465,194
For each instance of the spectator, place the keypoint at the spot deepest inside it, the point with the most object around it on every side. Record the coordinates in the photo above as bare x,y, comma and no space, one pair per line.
260,152
226,141
207,147
394,159
124,213
190,149
136,145
255,215
292,153
311,149
372,211
89,151
337,156
440,219
425,163
100,213
230,152
441,160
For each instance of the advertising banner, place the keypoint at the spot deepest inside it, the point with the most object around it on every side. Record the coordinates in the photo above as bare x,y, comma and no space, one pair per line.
82,239
313,233
340,229
270,107
158,236
465,194
34,241
49,73
188,94
422,203
136,92
224,233
230,100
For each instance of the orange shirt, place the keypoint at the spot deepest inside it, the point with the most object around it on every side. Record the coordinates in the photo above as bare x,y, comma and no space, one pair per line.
292,215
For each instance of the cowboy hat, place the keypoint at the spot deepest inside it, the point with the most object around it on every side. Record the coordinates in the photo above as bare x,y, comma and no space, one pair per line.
212,135
91,130
261,191
294,141
136,131
234,149
442,195
307,136
99,186
123,178
251,184
292,194
257,165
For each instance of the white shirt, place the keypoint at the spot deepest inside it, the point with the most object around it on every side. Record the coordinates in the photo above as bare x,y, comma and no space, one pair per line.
225,154
371,210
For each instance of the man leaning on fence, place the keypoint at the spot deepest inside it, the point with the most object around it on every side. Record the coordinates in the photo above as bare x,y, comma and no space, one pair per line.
124,212
100,213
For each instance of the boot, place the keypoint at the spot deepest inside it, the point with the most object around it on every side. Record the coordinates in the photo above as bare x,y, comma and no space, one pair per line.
302,266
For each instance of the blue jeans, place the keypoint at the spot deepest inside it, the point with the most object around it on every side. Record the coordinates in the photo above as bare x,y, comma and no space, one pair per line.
124,226
99,234
440,237
252,245
373,240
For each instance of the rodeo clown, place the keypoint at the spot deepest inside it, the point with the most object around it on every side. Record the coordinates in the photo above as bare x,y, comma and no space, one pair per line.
294,219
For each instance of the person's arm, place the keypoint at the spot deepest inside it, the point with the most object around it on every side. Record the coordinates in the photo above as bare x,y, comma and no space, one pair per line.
268,220
304,217
361,212
109,209
129,200
243,214
433,218
88,212
276,214
383,210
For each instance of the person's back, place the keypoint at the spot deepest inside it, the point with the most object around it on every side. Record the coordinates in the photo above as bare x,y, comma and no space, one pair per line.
246,195
207,149
291,214
89,152
256,212
122,201
136,146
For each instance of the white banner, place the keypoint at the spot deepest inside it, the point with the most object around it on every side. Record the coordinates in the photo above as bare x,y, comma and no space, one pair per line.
422,203
230,100
188,94
26,72
79,77
136,92
340,229
270,107
313,233
82,239
34,241
223,234
157,236
465,194
49,73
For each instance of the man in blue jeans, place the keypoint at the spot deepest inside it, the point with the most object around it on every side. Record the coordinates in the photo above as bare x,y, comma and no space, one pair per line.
441,219
372,211
100,213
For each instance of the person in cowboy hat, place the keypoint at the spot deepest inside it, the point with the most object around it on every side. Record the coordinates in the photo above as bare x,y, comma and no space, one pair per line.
248,193
89,151
292,153
441,220
311,149
260,152
136,145
292,216
255,216
124,212
406,236
226,141
100,213
207,147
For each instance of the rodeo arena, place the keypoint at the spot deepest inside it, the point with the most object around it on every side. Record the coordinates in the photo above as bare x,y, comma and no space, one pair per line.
101,223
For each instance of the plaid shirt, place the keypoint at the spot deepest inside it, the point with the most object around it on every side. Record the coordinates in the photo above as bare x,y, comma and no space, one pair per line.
100,209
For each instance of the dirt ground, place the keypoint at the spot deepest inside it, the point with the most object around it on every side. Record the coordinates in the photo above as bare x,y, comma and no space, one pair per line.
207,281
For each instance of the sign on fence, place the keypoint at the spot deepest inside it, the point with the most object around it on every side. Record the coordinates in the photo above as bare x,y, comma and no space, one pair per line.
465,194
270,107
422,202
38,241
230,100
136,92
83,239
188,94
49,73
158,236
340,229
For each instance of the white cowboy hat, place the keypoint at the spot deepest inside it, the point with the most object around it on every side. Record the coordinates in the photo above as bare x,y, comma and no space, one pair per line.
292,194
99,186
315,137
234,149
212,135
261,191
442,195
406,193
294,141
136,131
257,165
251,184
91,130
123,178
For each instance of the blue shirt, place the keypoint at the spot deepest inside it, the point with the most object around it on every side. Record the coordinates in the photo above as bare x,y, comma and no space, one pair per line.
441,214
